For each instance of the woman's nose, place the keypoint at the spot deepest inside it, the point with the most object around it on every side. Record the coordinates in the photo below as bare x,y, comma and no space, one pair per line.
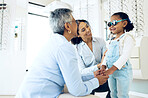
87,29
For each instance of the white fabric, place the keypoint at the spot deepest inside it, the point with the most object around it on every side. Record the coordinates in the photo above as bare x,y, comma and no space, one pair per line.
57,5
55,65
67,95
88,60
126,45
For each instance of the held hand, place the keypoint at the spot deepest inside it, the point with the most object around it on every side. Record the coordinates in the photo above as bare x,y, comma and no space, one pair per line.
96,73
99,65
103,67
111,70
102,70
102,79
108,72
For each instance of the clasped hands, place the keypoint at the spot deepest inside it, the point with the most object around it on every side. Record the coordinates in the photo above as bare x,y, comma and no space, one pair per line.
102,75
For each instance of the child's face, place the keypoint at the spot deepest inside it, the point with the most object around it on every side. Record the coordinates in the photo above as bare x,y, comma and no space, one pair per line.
118,28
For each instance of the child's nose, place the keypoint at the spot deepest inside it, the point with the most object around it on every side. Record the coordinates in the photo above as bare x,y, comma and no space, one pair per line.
111,25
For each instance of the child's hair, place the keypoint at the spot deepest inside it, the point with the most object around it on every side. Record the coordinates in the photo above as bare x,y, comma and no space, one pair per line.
129,25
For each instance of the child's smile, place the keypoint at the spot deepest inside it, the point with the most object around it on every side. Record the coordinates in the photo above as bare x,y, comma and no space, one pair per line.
112,29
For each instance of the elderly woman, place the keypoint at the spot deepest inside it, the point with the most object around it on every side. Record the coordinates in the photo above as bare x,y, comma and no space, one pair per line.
90,53
56,64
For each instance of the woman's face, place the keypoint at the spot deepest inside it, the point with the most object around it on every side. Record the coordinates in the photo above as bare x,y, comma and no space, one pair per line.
84,31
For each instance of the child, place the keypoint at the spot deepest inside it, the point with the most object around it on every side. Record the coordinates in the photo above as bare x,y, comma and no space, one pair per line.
117,56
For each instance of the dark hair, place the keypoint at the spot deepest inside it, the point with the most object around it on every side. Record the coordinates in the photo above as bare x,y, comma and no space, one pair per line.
77,40
129,25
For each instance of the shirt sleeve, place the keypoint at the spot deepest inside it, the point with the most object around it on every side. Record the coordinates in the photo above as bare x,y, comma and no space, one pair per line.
128,45
82,67
68,65
104,48
104,61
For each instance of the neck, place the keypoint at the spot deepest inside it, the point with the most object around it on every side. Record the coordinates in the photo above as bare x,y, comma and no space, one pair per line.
119,34
67,35
87,41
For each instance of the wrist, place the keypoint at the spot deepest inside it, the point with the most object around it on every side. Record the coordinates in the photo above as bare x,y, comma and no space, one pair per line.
103,67
99,65
114,68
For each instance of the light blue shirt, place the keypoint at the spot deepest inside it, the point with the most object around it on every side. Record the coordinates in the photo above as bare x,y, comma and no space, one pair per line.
55,65
88,60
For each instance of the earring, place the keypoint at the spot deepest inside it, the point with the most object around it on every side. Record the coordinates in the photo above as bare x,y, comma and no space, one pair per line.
69,32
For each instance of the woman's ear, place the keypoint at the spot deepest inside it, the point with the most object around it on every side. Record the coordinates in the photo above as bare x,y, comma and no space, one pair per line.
124,23
67,26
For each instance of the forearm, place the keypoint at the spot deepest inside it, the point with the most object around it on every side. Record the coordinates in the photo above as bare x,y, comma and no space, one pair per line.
88,70
111,70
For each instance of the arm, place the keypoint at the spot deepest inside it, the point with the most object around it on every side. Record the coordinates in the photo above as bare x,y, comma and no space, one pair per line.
68,65
127,49
103,60
85,70
81,61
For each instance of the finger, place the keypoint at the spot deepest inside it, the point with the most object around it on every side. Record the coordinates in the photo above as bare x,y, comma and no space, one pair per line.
106,76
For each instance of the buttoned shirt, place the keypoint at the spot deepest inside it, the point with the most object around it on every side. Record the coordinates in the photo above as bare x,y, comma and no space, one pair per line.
55,65
87,59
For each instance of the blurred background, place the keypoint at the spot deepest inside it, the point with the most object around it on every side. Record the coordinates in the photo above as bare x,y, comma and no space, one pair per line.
24,28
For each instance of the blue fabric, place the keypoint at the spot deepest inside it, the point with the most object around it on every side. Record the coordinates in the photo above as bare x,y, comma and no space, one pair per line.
87,59
120,80
55,66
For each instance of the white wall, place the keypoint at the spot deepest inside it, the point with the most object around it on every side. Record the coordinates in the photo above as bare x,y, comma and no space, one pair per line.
89,10
42,2
137,84
12,58
145,8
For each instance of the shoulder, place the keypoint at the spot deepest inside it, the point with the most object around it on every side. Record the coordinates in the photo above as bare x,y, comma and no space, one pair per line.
60,44
99,40
128,38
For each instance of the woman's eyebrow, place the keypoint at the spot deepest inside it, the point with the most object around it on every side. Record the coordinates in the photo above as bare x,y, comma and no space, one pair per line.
83,26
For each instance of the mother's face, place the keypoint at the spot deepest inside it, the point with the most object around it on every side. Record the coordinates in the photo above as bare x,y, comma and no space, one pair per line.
84,31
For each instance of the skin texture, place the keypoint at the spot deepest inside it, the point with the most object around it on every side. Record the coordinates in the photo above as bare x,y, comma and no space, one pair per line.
118,30
86,35
70,31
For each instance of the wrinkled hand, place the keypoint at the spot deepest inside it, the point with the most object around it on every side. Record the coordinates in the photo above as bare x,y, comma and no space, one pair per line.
102,79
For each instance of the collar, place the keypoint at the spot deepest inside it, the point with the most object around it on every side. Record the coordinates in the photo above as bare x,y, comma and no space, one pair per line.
93,40
120,36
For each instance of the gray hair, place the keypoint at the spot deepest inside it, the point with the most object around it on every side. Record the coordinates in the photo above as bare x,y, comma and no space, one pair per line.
58,18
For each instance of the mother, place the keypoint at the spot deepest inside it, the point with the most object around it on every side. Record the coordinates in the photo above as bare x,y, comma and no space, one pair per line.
90,53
